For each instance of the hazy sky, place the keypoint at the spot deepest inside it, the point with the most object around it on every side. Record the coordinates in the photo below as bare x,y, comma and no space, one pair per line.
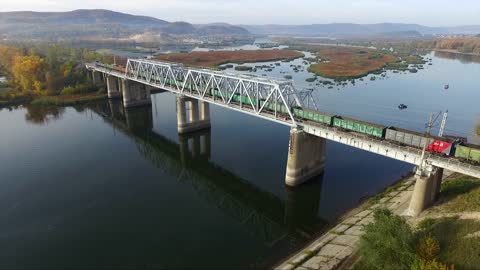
427,12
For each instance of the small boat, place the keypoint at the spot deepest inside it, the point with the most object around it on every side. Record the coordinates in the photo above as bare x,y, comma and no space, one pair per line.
402,106
446,86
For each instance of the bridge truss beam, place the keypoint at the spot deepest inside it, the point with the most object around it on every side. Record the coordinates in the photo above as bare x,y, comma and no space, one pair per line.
262,97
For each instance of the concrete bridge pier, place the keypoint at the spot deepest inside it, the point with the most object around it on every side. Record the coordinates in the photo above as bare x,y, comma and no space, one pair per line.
306,157
426,190
197,119
113,88
97,77
135,94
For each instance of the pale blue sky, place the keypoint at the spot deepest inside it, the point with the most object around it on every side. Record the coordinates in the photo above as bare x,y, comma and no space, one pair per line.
427,12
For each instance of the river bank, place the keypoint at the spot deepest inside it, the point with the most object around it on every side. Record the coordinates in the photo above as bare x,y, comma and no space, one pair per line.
338,244
338,248
456,52
9,98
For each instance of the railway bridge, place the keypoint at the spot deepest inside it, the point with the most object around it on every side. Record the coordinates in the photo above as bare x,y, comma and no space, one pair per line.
272,100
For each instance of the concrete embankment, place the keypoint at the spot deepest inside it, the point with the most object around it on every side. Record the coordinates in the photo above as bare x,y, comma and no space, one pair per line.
334,249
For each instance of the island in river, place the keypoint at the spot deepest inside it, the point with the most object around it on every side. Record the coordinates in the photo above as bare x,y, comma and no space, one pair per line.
217,58
347,63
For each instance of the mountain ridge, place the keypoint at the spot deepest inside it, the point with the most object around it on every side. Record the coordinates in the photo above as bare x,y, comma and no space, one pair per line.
356,30
100,23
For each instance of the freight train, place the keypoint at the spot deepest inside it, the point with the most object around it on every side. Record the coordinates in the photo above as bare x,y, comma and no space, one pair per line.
446,146
119,68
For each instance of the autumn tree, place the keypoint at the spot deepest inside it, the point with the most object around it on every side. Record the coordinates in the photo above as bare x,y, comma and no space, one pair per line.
29,72
7,56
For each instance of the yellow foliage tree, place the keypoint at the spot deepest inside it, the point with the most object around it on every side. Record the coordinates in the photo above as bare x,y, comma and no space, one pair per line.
428,248
29,72
7,56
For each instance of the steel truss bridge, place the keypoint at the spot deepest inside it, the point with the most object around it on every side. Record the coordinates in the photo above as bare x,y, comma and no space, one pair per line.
258,96
267,98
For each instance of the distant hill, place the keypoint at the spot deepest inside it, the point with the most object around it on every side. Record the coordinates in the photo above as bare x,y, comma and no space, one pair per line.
101,24
357,30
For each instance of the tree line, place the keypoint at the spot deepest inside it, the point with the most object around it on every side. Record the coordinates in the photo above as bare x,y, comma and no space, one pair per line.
47,69
464,45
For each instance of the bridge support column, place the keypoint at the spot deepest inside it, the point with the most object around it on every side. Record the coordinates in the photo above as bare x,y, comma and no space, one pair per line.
306,157
135,94
198,120
96,77
426,190
112,87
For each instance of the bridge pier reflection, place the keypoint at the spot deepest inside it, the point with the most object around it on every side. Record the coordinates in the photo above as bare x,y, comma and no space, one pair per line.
303,204
262,213
139,120
195,145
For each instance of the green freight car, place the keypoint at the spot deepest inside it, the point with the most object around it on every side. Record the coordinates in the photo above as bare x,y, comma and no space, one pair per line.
359,126
313,115
468,152
271,107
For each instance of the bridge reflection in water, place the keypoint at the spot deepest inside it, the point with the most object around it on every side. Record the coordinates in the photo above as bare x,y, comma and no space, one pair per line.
263,214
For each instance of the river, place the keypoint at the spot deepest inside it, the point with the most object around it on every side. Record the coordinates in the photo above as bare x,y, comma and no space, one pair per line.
98,186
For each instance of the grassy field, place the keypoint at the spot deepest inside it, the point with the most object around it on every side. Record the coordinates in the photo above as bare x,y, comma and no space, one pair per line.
459,195
458,236
216,58
348,63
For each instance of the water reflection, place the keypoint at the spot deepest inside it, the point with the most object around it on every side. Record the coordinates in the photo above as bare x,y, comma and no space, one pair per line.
262,213
43,115
463,58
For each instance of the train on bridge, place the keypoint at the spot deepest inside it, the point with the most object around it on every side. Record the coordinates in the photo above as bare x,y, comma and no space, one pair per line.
447,146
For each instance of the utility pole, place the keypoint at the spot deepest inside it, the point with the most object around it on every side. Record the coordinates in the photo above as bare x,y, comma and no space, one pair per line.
429,127
444,122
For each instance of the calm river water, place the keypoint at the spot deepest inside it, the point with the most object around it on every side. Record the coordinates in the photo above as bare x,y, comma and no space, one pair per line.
100,186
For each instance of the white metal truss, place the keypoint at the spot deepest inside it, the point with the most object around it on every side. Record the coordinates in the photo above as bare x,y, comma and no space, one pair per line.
267,98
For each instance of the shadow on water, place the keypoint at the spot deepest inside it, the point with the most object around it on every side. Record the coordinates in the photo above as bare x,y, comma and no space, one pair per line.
280,225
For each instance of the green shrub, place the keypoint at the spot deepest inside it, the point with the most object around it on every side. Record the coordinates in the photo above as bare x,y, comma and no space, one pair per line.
428,248
387,243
